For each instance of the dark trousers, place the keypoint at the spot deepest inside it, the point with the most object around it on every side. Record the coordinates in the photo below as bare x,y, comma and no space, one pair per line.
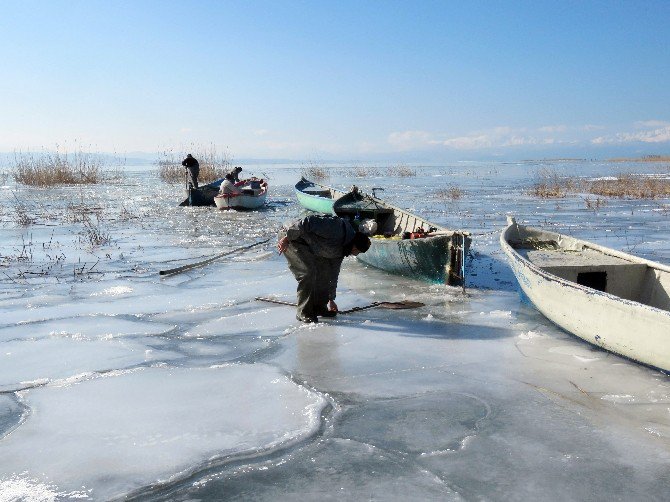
312,273
193,175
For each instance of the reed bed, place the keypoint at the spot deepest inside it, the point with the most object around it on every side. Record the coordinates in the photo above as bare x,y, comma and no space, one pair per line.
58,168
313,171
213,165
449,193
401,171
645,158
631,187
551,185
594,204
360,172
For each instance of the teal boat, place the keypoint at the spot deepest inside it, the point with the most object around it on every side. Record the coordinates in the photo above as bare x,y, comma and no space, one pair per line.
316,197
403,243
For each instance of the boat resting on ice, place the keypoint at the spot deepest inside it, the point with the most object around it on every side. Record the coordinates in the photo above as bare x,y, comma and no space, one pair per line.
611,299
253,195
316,197
403,243
203,195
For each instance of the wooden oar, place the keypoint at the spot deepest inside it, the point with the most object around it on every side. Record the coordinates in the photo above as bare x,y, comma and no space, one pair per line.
385,305
184,268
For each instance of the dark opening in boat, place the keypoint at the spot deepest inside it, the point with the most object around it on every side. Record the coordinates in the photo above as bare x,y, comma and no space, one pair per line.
595,280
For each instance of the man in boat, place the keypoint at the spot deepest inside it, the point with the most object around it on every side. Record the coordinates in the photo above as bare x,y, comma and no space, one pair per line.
236,173
227,186
314,248
193,168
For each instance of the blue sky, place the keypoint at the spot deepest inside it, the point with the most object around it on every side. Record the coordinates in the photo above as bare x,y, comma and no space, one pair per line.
420,80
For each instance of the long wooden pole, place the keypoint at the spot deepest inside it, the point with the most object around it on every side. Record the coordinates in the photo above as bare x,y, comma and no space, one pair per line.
184,268
387,305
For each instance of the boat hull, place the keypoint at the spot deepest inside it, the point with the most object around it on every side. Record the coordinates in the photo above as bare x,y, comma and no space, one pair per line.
626,327
428,259
240,201
249,198
315,197
432,254
203,195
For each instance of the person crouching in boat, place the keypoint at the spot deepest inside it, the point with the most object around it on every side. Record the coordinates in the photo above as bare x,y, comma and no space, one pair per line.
314,248
228,187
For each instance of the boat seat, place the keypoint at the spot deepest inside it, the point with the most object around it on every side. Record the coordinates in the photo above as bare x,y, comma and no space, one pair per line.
591,268
318,193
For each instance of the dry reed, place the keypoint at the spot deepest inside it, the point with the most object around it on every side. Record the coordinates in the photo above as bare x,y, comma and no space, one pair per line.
401,171
449,193
313,171
213,165
631,186
58,168
551,185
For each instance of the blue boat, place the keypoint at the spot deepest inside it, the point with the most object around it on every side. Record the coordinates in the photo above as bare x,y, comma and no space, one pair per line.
203,195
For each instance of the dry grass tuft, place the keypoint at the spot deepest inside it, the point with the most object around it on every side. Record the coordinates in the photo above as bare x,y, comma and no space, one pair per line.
58,168
93,235
313,171
645,158
549,185
449,193
594,204
631,186
401,171
213,165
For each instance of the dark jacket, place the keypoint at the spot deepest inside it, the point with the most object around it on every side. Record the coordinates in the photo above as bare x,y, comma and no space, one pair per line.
326,236
190,162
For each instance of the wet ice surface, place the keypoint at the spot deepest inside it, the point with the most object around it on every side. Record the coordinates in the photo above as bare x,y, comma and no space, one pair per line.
115,382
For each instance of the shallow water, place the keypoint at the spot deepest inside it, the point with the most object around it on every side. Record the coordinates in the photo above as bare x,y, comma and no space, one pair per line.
117,382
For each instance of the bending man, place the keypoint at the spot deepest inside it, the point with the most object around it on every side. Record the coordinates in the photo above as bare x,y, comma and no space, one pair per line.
314,248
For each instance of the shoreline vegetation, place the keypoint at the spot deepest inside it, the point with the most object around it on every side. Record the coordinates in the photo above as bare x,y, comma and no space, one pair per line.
213,165
550,184
49,169
80,167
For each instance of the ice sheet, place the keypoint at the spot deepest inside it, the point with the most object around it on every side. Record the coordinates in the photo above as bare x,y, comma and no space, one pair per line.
474,396
113,435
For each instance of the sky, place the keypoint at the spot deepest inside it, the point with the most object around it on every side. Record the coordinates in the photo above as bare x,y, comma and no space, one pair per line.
406,80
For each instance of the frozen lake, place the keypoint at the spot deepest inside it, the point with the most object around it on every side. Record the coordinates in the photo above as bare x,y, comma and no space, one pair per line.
117,383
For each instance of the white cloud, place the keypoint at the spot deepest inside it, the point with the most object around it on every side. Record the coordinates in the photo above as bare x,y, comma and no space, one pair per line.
553,128
652,131
590,127
468,142
409,140
653,124
659,135
501,136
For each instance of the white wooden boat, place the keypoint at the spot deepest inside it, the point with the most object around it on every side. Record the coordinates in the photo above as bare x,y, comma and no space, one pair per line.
253,195
609,298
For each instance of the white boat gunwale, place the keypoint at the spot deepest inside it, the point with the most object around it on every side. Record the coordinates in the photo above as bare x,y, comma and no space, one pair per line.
639,329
